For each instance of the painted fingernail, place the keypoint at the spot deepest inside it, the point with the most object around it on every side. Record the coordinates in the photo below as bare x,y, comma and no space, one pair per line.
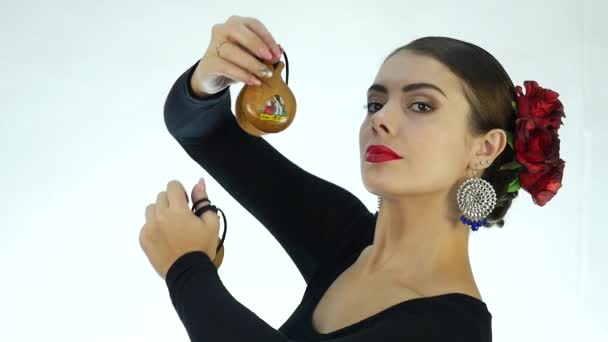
201,184
277,51
265,53
265,72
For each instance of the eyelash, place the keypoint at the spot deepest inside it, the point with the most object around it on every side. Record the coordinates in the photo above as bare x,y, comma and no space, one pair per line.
366,107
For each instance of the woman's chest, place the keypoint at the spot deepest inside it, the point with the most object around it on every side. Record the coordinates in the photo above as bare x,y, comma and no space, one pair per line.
349,300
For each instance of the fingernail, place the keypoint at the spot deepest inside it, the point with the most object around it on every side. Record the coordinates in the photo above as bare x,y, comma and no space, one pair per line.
265,72
201,184
277,51
265,53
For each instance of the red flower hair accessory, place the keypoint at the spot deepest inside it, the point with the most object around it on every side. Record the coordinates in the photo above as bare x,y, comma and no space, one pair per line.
536,143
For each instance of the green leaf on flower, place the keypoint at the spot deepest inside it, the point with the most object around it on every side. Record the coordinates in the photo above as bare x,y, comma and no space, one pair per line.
514,105
514,186
514,165
510,139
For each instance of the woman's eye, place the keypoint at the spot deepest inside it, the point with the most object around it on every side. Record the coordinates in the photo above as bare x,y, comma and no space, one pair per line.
423,104
370,104
418,104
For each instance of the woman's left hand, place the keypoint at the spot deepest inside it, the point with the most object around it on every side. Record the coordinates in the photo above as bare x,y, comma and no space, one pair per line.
172,230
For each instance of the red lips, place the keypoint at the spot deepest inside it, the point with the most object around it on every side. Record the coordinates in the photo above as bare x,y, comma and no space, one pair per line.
380,153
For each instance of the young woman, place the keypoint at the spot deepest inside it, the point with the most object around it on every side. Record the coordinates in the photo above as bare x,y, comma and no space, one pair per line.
441,116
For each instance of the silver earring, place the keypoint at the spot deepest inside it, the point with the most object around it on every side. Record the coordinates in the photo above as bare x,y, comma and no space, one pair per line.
379,202
476,199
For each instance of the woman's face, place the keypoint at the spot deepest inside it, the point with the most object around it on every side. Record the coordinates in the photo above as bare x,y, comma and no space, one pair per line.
428,129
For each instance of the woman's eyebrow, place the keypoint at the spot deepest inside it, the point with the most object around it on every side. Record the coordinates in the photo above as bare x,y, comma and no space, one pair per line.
407,88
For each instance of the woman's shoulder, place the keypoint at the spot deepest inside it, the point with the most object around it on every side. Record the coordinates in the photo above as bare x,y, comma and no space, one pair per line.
353,240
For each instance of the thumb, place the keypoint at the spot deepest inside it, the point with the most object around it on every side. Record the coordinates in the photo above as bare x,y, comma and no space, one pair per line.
199,191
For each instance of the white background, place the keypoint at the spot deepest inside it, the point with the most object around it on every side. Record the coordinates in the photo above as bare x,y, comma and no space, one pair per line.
84,149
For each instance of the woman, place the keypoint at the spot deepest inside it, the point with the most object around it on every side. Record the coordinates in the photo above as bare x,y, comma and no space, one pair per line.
440,112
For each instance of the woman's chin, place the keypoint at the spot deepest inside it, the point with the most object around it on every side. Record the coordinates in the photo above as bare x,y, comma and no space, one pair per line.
377,185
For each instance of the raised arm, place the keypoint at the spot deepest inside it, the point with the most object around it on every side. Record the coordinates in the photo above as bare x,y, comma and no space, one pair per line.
309,217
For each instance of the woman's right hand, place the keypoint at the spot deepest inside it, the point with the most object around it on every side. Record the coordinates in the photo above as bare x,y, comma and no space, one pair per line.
241,57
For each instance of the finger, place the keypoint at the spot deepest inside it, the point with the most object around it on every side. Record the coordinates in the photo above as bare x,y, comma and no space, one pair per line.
198,194
161,200
226,67
239,56
150,212
175,193
258,28
240,34
199,191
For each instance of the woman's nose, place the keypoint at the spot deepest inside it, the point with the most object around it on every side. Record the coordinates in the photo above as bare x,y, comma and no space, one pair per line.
383,121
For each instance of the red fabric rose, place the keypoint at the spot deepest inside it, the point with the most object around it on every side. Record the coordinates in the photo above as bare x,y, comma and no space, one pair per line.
543,186
536,147
537,143
540,105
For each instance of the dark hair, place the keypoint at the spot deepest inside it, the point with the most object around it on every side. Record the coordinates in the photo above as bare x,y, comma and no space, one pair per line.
490,92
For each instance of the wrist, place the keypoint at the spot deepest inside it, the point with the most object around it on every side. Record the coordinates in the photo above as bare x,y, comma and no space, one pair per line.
195,86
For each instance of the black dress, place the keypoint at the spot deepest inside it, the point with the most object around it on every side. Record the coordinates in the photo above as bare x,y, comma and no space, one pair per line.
323,228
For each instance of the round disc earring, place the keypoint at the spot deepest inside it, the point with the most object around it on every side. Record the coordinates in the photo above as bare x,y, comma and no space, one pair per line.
476,199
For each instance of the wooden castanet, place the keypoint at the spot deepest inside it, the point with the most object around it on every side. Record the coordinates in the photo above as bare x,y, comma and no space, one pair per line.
219,257
267,108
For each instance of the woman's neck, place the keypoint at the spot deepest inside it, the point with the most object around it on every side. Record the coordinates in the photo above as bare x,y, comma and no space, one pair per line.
418,237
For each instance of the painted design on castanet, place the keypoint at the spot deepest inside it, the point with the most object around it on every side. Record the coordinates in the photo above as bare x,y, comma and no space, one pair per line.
274,110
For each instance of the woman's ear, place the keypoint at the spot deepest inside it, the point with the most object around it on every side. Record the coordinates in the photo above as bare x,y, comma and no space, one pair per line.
488,146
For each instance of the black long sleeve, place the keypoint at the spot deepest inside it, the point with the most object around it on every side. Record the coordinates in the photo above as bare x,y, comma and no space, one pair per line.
207,309
308,216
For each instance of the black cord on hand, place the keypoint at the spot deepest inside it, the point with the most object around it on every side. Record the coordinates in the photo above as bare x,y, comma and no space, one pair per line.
199,212
286,68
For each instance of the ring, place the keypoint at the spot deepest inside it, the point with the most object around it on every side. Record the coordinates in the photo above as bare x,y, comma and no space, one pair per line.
217,47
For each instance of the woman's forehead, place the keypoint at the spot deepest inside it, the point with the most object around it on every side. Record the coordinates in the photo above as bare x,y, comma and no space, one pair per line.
404,68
